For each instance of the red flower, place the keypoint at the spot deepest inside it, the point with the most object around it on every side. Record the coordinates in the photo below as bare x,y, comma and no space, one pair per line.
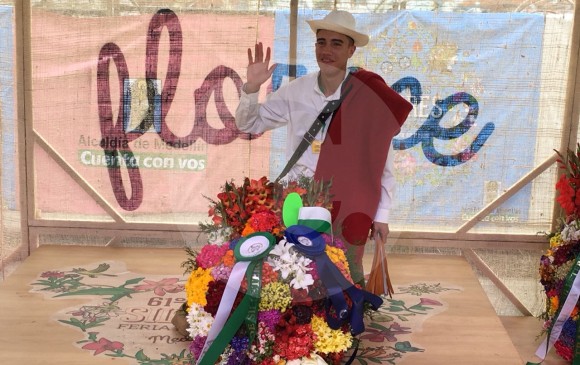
563,350
294,341
217,220
228,198
268,362
293,187
301,297
258,195
103,345
264,221
567,196
268,274
335,358
215,292
563,254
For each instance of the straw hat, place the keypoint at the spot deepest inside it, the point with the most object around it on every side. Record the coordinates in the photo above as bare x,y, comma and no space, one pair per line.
341,22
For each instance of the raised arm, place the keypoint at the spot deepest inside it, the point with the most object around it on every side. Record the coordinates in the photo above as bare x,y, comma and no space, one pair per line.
259,69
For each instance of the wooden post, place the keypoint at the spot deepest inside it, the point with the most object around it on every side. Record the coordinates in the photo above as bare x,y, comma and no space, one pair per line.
293,44
23,66
572,103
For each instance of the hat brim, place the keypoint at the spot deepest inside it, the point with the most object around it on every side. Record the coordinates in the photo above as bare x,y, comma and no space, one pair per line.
360,40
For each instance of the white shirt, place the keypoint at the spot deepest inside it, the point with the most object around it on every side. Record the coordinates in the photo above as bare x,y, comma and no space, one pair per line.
296,105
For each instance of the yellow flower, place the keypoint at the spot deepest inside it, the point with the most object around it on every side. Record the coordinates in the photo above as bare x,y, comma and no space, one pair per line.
336,255
197,285
275,295
329,340
556,240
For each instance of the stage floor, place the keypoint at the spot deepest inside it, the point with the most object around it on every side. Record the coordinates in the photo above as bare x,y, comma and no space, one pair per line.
438,315
523,332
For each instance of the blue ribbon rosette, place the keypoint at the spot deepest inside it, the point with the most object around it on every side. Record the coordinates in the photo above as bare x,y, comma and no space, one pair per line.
310,243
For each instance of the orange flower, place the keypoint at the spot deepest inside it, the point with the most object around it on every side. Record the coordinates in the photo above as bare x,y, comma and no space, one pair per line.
228,258
293,187
247,230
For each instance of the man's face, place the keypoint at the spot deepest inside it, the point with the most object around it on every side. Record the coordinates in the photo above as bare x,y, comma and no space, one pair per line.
333,51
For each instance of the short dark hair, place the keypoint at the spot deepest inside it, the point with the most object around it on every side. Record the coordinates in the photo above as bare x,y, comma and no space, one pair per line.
349,38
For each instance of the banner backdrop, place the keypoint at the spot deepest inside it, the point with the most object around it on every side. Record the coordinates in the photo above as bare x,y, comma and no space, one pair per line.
474,80
142,109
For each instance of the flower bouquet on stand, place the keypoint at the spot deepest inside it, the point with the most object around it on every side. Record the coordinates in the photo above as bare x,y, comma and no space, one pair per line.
559,267
273,285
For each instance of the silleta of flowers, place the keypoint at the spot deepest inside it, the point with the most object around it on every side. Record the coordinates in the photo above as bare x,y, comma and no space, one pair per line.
273,285
556,265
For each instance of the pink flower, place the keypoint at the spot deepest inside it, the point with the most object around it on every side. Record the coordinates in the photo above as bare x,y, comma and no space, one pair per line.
103,345
211,255
52,274
426,301
160,288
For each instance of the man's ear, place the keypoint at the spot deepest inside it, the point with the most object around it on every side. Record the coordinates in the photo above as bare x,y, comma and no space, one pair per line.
353,49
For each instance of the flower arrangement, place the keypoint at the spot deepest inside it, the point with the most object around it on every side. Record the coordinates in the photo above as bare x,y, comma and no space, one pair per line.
256,205
558,263
273,286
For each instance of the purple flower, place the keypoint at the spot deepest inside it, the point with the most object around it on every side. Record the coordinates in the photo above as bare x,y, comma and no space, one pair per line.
196,345
238,358
270,318
221,272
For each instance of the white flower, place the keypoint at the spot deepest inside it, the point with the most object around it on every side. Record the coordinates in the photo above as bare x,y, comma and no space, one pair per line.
571,232
291,265
314,359
199,321
219,236
225,356
301,280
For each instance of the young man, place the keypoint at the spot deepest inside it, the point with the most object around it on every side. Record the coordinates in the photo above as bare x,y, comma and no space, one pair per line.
352,148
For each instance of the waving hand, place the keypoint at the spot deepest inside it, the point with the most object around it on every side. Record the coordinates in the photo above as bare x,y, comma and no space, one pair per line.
259,70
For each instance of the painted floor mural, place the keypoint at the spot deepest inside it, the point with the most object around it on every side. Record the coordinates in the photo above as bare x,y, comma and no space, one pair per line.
127,315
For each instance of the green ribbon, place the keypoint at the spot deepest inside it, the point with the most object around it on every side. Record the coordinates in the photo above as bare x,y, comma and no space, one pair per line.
253,248
253,295
568,283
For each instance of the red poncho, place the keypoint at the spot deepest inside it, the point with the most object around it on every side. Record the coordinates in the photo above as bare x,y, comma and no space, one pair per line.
355,151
